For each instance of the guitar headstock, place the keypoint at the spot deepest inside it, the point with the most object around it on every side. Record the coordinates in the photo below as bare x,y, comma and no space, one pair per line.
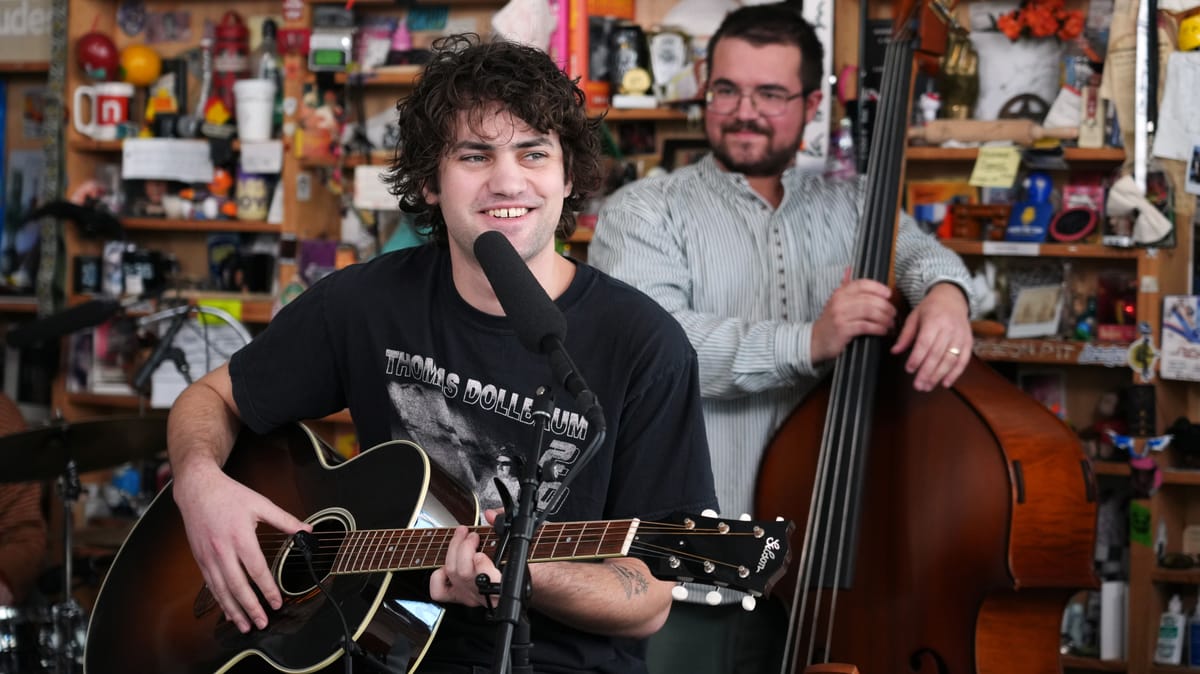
741,554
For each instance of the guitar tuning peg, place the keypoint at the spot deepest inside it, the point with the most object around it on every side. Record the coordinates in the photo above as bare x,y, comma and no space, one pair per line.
745,517
709,512
679,593
749,602
712,598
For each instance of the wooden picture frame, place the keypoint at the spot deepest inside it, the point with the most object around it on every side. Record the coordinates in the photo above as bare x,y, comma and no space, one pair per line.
1036,312
679,152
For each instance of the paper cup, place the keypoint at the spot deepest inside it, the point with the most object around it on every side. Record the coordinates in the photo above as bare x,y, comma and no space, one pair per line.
255,101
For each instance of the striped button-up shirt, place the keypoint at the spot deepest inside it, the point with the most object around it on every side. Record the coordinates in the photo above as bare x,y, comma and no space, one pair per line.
746,281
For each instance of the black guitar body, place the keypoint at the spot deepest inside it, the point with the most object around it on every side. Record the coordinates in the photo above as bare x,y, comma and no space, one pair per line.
158,618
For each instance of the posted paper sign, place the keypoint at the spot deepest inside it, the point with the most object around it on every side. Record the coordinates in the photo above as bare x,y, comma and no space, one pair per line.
1180,358
188,161
996,166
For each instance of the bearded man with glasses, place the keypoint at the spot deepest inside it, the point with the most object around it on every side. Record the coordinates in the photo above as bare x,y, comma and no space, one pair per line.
753,258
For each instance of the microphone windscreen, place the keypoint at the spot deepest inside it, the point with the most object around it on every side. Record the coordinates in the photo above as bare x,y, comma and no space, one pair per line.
86,315
532,313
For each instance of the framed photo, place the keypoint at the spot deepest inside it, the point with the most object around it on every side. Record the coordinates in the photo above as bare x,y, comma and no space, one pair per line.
679,152
1036,312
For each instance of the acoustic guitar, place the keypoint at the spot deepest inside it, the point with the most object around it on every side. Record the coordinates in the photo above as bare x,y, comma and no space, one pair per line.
381,523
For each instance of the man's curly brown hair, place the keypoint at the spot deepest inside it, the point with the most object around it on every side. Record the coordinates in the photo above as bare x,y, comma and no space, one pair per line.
466,74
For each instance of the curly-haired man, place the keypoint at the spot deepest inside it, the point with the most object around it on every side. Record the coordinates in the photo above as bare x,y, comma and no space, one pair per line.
494,138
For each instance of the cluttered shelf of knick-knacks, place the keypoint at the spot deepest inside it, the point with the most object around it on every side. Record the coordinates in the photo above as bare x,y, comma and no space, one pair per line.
1052,351
252,308
933,153
1076,663
1025,249
180,225
22,67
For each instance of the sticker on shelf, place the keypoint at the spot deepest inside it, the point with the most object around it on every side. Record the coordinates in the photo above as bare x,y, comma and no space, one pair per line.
1180,338
1143,356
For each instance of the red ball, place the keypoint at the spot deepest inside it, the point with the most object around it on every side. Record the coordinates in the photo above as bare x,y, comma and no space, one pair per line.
97,56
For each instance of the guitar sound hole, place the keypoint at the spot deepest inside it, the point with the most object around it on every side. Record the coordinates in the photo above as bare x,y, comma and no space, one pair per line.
295,578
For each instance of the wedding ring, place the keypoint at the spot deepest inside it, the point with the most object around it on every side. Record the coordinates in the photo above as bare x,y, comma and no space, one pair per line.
954,351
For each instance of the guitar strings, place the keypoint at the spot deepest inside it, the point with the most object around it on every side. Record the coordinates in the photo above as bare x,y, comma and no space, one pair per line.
380,547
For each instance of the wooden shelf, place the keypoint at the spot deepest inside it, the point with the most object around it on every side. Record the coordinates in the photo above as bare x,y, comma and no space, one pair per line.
88,145
1093,664
256,308
581,235
95,145
172,225
18,304
650,115
376,158
1114,468
1181,476
18,67
1016,249
1070,154
1052,351
1170,669
405,76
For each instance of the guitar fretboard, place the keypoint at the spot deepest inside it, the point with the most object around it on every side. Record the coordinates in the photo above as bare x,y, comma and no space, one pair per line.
411,549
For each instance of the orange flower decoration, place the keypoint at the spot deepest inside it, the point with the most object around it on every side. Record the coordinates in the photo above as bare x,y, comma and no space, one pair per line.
1041,18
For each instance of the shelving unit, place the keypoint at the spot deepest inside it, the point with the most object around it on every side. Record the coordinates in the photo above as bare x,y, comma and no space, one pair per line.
1094,367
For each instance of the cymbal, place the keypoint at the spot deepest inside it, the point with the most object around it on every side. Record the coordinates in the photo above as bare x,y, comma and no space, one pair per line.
43,453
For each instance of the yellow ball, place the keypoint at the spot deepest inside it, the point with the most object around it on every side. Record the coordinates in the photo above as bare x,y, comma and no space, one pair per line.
1189,33
140,65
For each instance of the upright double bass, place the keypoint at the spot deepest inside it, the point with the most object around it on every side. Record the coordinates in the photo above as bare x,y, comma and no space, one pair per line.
945,531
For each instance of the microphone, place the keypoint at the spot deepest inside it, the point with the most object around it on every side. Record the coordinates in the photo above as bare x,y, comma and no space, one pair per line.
86,315
141,379
539,324
534,316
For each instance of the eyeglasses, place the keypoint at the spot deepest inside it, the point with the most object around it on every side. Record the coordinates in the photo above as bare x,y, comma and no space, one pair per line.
724,99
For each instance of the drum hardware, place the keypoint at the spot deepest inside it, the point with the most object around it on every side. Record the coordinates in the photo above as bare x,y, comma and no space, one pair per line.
51,639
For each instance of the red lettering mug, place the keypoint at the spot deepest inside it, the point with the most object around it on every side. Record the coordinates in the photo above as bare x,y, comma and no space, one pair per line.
109,105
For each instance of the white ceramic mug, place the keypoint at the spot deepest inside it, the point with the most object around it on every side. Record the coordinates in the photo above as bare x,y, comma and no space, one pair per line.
109,106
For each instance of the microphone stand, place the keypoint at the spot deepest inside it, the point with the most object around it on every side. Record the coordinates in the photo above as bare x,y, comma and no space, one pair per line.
141,380
513,644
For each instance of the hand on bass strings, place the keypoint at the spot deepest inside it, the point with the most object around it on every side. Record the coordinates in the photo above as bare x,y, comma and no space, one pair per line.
221,516
455,582
939,332
858,307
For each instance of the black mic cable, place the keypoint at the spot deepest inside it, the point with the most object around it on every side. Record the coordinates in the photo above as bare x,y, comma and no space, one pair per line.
306,543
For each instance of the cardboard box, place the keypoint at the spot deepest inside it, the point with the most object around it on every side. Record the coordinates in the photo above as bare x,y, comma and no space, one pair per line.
24,30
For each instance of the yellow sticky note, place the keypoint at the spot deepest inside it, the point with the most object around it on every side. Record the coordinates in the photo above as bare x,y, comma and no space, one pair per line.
231,307
996,166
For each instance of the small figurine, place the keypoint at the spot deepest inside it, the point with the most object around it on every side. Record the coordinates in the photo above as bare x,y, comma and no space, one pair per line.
929,103
1030,218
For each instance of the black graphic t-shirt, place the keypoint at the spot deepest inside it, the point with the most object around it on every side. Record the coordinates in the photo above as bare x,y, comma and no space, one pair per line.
392,340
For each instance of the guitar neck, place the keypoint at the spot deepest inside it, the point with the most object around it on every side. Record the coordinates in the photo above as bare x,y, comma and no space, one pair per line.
373,550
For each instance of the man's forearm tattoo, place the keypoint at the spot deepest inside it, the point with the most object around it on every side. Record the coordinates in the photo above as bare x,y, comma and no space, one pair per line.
633,581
